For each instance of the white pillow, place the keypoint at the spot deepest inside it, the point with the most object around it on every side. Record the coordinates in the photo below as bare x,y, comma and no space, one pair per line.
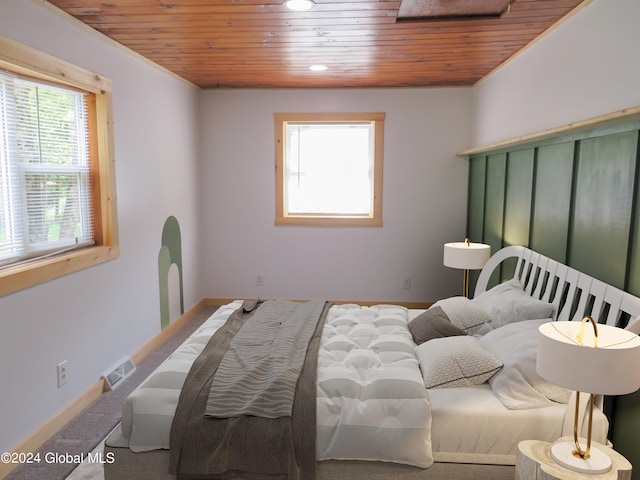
458,361
463,313
507,303
518,385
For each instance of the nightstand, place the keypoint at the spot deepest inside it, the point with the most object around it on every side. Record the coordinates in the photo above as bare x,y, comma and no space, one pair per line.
534,462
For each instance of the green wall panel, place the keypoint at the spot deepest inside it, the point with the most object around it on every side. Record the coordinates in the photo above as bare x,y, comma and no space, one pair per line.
517,208
585,212
602,212
552,200
633,270
475,209
494,200
494,204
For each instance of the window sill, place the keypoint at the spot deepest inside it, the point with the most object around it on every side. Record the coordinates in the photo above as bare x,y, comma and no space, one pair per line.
330,221
33,273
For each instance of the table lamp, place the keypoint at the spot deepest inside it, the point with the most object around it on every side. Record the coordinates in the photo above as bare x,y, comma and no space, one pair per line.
602,360
467,256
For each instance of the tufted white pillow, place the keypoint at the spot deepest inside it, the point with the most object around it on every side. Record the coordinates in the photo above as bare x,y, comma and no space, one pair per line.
458,361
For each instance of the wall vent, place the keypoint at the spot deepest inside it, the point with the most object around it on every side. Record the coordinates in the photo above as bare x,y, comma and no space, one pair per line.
119,373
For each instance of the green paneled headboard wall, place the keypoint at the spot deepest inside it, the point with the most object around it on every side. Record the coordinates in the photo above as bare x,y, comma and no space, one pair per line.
572,197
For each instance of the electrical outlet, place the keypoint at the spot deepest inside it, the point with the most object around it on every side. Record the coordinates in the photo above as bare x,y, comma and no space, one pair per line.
260,280
62,373
406,283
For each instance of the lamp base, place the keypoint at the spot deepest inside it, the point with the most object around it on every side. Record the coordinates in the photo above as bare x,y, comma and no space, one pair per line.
598,462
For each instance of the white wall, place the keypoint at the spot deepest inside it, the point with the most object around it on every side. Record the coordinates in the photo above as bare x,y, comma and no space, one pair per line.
586,67
424,199
95,317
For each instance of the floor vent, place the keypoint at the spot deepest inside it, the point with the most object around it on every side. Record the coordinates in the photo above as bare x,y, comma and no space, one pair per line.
119,373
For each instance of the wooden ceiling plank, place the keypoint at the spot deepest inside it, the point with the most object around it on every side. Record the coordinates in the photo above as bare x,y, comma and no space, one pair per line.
443,41
104,12
326,31
258,43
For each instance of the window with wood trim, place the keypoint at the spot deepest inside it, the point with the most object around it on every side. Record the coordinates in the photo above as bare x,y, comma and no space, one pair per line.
57,190
329,168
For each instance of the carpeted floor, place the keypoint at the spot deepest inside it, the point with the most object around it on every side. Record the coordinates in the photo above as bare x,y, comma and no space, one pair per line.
90,469
86,431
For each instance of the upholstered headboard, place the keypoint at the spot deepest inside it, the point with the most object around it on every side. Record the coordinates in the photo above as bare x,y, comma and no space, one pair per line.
574,294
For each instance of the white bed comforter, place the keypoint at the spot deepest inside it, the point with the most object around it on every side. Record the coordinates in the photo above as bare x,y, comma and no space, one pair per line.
372,403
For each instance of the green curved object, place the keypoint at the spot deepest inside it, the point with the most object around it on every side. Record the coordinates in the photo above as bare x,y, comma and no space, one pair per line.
170,254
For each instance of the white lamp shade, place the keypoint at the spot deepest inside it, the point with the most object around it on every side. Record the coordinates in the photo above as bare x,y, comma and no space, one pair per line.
467,256
612,368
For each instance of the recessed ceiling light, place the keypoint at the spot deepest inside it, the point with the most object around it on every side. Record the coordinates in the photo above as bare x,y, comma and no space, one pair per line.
318,68
299,5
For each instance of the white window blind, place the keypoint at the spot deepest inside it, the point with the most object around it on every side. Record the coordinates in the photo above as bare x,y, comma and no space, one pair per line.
45,197
329,168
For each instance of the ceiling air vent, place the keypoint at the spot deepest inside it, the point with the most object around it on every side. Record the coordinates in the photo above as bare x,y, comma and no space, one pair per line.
430,10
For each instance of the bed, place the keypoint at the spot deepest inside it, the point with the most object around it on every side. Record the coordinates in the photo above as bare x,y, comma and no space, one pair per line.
446,392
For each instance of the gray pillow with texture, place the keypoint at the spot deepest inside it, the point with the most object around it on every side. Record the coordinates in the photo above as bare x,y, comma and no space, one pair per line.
463,313
431,324
455,362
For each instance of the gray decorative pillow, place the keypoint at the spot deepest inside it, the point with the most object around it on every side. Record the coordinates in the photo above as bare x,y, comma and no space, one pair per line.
431,324
463,313
518,385
455,362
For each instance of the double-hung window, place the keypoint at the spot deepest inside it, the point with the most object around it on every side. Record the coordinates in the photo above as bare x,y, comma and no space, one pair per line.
57,190
329,168
44,169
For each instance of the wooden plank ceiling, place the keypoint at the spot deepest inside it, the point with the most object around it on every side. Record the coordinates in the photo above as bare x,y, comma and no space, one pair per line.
262,44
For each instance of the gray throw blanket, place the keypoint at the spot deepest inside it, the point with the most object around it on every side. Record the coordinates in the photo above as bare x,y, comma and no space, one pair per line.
259,372
246,446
